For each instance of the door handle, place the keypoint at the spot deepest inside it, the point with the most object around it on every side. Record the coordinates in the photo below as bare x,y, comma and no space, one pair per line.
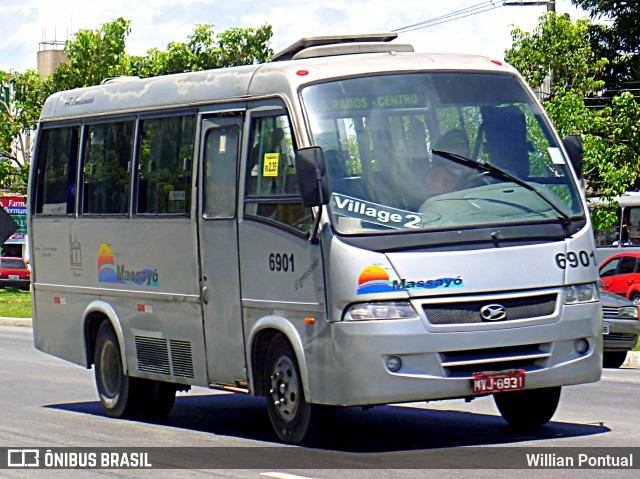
205,295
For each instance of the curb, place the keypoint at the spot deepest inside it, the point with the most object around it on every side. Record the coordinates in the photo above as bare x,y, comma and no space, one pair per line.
632,361
26,322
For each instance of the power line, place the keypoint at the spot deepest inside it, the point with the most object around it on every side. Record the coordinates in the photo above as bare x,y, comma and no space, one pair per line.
476,9
449,17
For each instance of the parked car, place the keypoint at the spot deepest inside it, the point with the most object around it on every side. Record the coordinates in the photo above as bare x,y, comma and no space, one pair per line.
14,272
621,275
620,328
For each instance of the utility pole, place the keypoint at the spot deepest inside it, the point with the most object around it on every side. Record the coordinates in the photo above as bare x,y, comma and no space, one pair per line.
551,4
551,7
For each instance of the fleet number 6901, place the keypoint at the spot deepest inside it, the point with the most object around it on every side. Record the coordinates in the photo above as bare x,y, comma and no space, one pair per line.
574,259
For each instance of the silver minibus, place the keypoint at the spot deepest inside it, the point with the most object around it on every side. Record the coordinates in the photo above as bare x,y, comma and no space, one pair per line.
350,224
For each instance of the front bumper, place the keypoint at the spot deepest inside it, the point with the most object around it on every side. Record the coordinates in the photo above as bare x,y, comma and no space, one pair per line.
623,334
440,365
16,283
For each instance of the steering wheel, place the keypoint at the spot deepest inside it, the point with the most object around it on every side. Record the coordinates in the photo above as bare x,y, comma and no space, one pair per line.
473,180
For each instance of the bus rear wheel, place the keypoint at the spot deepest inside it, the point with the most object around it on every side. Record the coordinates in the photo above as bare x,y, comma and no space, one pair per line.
528,409
292,417
117,391
157,398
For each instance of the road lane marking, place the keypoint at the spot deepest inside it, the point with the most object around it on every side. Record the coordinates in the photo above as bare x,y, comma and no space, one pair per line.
282,475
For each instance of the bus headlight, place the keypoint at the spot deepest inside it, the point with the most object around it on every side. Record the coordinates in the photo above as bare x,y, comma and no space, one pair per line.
581,293
380,310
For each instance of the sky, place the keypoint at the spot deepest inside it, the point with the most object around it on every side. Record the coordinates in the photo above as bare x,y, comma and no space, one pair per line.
155,23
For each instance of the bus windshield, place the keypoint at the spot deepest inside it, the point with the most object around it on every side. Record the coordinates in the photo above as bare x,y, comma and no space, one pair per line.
438,150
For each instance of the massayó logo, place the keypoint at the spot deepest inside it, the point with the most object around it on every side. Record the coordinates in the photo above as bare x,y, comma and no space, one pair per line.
374,279
110,272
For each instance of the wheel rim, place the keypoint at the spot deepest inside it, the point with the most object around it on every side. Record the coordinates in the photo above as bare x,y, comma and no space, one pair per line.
285,388
636,300
110,374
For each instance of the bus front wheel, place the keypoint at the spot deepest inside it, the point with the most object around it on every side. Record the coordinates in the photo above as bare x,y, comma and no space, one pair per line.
528,409
117,391
292,417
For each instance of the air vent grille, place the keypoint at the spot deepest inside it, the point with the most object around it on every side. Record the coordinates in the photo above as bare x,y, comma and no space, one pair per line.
181,358
153,355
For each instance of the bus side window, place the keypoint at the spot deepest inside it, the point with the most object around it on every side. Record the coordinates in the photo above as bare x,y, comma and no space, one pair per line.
107,155
631,226
272,186
221,160
164,168
55,185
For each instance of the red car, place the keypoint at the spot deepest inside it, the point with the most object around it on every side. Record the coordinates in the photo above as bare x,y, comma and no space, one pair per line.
14,272
621,275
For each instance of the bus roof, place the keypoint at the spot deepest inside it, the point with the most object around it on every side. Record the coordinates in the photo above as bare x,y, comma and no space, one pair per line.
132,94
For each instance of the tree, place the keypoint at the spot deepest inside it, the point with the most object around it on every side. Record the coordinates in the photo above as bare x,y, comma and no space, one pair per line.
624,32
611,135
95,55
618,40
22,97
560,46
203,51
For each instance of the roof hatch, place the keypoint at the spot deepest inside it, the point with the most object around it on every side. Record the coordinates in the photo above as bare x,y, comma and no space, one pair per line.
329,45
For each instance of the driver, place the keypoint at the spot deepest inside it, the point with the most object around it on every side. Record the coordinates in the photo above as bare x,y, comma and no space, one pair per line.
443,175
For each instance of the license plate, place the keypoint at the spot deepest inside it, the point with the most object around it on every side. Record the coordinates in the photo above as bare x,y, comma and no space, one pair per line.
14,276
499,381
605,328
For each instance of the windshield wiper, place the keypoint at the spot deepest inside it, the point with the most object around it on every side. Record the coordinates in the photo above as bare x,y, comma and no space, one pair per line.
499,173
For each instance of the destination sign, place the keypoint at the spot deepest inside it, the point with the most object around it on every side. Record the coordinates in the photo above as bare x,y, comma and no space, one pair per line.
403,100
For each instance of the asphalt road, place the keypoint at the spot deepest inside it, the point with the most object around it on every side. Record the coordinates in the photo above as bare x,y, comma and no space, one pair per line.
48,403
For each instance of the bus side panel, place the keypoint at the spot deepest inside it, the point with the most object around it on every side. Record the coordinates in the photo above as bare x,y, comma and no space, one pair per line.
272,286
57,324
145,270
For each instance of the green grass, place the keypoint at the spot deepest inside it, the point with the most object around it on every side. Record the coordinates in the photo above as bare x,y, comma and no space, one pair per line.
15,303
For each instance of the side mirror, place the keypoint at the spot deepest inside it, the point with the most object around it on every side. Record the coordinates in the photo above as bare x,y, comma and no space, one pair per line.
573,145
311,170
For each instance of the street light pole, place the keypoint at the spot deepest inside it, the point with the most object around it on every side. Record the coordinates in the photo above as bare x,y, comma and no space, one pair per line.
551,7
551,4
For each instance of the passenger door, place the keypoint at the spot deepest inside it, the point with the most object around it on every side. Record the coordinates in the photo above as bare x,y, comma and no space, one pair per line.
218,235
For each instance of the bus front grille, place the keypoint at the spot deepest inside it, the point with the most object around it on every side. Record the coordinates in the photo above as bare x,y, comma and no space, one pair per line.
462,364
469,312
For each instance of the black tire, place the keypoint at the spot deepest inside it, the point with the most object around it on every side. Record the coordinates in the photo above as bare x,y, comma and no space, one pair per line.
118,392
528,409
614,359
292,417
157,399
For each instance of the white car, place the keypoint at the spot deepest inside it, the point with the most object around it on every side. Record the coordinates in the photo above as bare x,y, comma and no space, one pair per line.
620,328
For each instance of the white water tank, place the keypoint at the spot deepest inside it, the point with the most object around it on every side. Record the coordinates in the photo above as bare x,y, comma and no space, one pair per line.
50,55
